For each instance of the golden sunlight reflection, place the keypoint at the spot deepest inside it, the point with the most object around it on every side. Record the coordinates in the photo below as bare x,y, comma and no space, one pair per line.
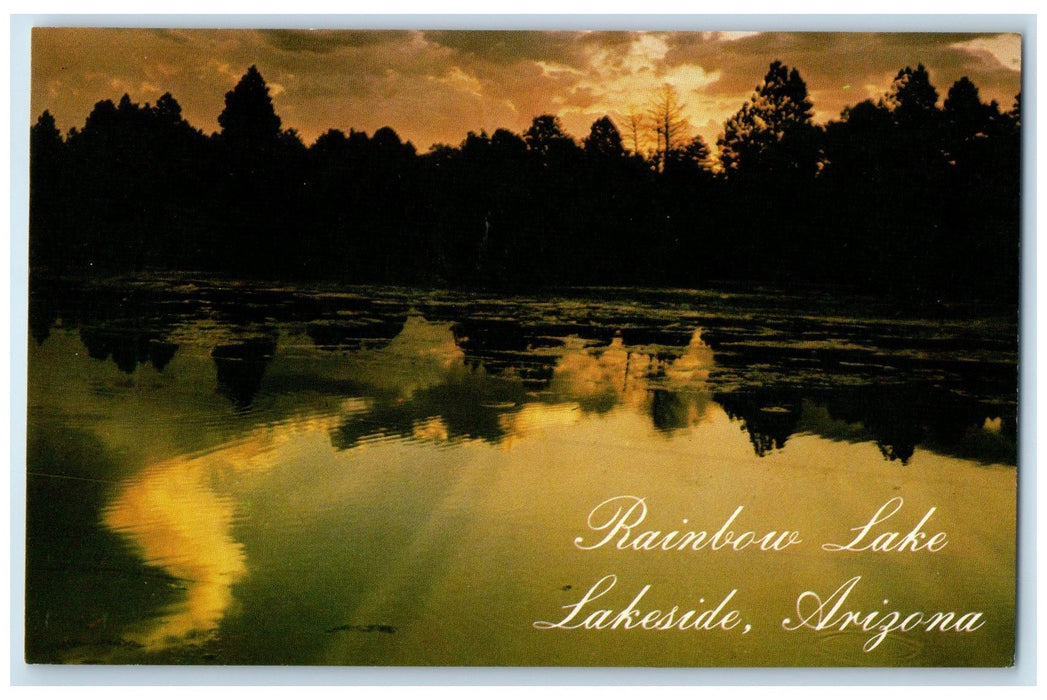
179,524
534,418
174,514
179,514
492,530
598,379
439,498
418,357
433,429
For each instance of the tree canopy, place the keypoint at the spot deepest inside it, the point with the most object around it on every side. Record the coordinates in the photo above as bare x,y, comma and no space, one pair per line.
604,140
249,118
773,132
899,195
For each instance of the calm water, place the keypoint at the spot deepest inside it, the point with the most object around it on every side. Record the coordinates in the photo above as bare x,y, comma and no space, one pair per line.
223,473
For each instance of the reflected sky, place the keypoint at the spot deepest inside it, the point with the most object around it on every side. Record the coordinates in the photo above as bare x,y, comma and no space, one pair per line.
413,499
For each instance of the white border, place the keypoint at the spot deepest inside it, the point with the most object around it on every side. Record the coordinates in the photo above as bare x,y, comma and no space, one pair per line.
15,302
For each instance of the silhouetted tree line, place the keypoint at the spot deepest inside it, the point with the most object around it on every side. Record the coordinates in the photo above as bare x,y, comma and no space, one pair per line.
897,196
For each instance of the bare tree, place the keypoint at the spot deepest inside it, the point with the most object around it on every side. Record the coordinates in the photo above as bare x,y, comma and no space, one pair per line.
636,124
671,127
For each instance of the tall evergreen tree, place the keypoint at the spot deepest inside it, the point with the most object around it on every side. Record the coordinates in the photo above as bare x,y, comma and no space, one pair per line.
45,144
773,132
604,140
249,118
546,137
912,98
46,207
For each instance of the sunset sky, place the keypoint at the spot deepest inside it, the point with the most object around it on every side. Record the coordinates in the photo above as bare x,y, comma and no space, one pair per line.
435,86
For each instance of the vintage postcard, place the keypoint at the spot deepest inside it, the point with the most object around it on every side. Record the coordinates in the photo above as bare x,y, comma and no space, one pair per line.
523,348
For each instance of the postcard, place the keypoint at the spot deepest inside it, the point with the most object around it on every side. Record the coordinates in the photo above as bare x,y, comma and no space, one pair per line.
662,349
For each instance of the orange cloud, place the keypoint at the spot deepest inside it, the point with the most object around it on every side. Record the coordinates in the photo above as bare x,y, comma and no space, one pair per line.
436,86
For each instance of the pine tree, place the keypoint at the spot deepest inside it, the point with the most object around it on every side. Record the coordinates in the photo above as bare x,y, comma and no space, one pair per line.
249,119
772,132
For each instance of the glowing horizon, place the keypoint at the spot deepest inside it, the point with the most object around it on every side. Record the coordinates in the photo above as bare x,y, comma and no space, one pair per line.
435,87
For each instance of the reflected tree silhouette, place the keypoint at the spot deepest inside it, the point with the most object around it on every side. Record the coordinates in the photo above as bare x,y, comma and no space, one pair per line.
769,418
241,367
469,405
420,370
670,411
128,348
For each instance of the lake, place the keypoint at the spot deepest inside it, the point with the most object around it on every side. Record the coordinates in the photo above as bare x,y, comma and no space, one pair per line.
227,472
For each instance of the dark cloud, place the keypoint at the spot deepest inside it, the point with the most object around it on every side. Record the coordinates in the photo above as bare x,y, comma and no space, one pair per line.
435,86
843,68
510,46
324,41
922,40
169,35
607,40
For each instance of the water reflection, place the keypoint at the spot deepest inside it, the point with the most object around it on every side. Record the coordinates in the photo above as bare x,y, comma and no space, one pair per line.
423,388
673,390
387,477
180,525
128,350
180,516
241,367
473,363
